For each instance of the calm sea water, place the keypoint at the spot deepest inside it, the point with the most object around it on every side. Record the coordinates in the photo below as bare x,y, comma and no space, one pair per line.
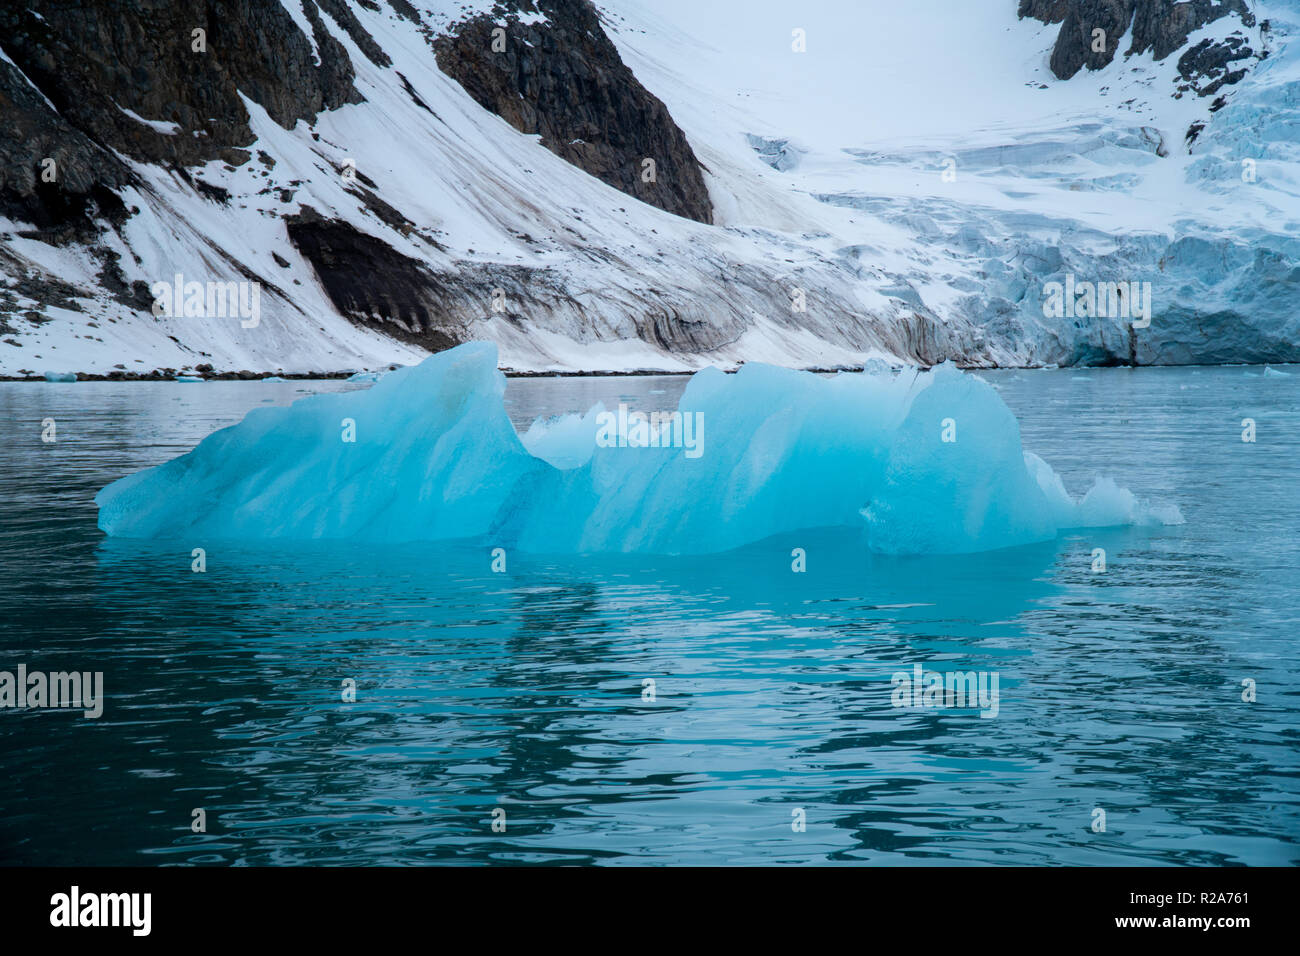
524,692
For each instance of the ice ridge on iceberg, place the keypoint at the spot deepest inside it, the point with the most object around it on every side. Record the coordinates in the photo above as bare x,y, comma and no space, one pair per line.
921,462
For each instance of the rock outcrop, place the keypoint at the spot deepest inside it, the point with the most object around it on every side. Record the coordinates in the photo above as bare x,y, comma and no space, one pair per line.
156,80
179,67
52,175
560,76
1157,26
1207,67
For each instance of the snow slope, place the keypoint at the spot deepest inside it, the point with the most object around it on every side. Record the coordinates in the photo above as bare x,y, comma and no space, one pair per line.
826,170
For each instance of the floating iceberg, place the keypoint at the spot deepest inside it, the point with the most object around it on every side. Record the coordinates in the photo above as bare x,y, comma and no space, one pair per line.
60,376
920,462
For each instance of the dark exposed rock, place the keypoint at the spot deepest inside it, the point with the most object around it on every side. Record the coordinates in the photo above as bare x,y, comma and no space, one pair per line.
384,212
404,9
348,21
1075,43
415,97
82,65
1209,66
134,294
216,194
372,283
63,199
94,60
35,285
563,79
1049,11
1164,27
1159,26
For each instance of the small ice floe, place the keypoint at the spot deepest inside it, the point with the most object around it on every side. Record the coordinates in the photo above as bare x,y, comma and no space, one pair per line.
273,378
365,376
1270,372
60,376
188,378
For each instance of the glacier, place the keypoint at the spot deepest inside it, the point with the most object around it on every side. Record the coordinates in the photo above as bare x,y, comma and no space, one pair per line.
917,462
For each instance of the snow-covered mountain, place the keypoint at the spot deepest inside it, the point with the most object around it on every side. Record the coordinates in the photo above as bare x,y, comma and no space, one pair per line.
647,184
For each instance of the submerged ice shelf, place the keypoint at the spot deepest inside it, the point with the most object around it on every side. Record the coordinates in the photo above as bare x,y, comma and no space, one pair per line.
920,462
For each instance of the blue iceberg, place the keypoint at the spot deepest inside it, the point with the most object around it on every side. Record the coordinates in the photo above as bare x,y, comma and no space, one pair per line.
917,462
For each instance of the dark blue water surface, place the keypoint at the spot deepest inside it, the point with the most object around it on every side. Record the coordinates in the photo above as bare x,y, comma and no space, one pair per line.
524,692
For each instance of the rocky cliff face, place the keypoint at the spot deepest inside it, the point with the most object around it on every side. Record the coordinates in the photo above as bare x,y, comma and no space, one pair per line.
1159,26
52,175
179,66
560,76
158,81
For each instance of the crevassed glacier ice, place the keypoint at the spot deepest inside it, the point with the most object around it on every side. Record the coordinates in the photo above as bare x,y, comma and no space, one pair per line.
921,462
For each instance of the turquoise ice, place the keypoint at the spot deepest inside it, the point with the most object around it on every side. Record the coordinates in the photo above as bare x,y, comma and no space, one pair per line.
917,461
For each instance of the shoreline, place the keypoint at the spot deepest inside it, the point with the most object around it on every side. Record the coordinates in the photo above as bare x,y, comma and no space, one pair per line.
243,376
344,375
